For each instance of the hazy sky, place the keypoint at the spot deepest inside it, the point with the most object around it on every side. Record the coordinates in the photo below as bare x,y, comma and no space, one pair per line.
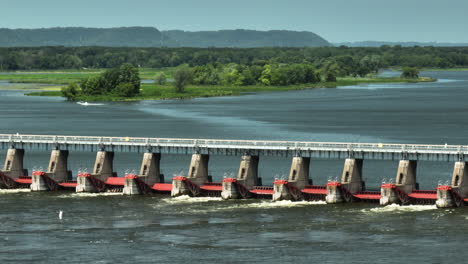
335,20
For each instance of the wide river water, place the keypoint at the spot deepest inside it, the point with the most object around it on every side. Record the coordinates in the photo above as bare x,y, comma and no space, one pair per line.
110,228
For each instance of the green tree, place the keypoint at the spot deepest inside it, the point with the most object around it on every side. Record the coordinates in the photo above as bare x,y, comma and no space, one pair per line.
109,81
410,73
124,90
71,92
265,78
182,77
330,77
161,79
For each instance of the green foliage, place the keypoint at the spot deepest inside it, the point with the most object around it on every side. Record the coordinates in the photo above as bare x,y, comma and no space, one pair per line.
182,77
71,92
161,79
343,61
124,90
330,77
410,73
206,75
123,80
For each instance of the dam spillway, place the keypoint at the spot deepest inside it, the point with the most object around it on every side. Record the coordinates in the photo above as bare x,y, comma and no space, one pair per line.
247,184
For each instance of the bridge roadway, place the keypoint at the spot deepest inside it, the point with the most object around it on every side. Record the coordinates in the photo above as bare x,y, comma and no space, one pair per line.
327,150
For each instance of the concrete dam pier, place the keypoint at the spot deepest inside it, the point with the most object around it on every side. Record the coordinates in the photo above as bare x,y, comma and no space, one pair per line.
198,182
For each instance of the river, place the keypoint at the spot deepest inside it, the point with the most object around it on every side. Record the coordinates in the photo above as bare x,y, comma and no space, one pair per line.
114,229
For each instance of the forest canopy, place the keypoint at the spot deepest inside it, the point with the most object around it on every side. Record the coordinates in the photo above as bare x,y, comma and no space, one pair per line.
343,60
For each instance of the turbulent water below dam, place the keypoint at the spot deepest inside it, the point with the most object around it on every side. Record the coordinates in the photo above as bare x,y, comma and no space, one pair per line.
111,228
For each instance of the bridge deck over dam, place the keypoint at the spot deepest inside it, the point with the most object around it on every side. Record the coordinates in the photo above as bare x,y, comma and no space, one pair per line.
330,150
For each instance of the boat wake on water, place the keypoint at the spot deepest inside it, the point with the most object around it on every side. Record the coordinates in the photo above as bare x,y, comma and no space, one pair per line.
89,104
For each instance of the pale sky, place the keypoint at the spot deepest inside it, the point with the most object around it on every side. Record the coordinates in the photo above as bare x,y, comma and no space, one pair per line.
335,20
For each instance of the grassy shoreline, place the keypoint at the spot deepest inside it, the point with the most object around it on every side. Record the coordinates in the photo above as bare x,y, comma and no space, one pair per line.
166,92
65,77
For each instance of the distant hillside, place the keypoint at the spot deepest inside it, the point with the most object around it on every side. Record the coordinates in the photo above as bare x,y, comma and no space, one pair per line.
75,36
151,37
403,44
242,38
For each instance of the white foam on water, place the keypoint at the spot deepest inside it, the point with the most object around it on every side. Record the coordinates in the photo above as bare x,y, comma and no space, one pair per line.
279,204
74,195
185,199
7,191
401,208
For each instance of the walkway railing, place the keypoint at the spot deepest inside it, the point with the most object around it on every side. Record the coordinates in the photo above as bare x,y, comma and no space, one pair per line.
233,144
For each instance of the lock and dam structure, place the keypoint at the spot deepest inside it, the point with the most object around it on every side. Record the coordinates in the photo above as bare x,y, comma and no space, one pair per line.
247,184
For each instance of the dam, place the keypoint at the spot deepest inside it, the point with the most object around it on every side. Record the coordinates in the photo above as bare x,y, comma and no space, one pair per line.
404,189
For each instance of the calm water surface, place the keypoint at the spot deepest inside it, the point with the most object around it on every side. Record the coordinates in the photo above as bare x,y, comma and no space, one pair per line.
109,228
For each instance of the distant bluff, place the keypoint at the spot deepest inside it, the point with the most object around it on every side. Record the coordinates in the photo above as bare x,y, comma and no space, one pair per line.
152,37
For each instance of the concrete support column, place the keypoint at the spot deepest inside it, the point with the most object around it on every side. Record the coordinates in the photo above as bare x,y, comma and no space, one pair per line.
451,196
13,167
58,166
298,178
299,173
198,171
406,176
149,174
248,171
103,166
460,178
150,171
57,171
351,178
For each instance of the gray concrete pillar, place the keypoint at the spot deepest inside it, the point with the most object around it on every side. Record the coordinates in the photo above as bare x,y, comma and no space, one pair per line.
299,173
388,194
57,171
13,167
281,191
149,174
58,166
180,186
150,168
334,193
84,184
460,178
103,166
198,171
38,183
248,171
230,189
406,176
452,196
351,178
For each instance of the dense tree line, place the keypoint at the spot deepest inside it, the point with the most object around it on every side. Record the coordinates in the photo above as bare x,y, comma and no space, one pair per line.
122,81
242,75
344,61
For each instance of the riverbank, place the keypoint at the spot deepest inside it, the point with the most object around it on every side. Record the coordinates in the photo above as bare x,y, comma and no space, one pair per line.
163,92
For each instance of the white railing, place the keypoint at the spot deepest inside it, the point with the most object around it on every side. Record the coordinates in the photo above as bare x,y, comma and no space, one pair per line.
233,144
